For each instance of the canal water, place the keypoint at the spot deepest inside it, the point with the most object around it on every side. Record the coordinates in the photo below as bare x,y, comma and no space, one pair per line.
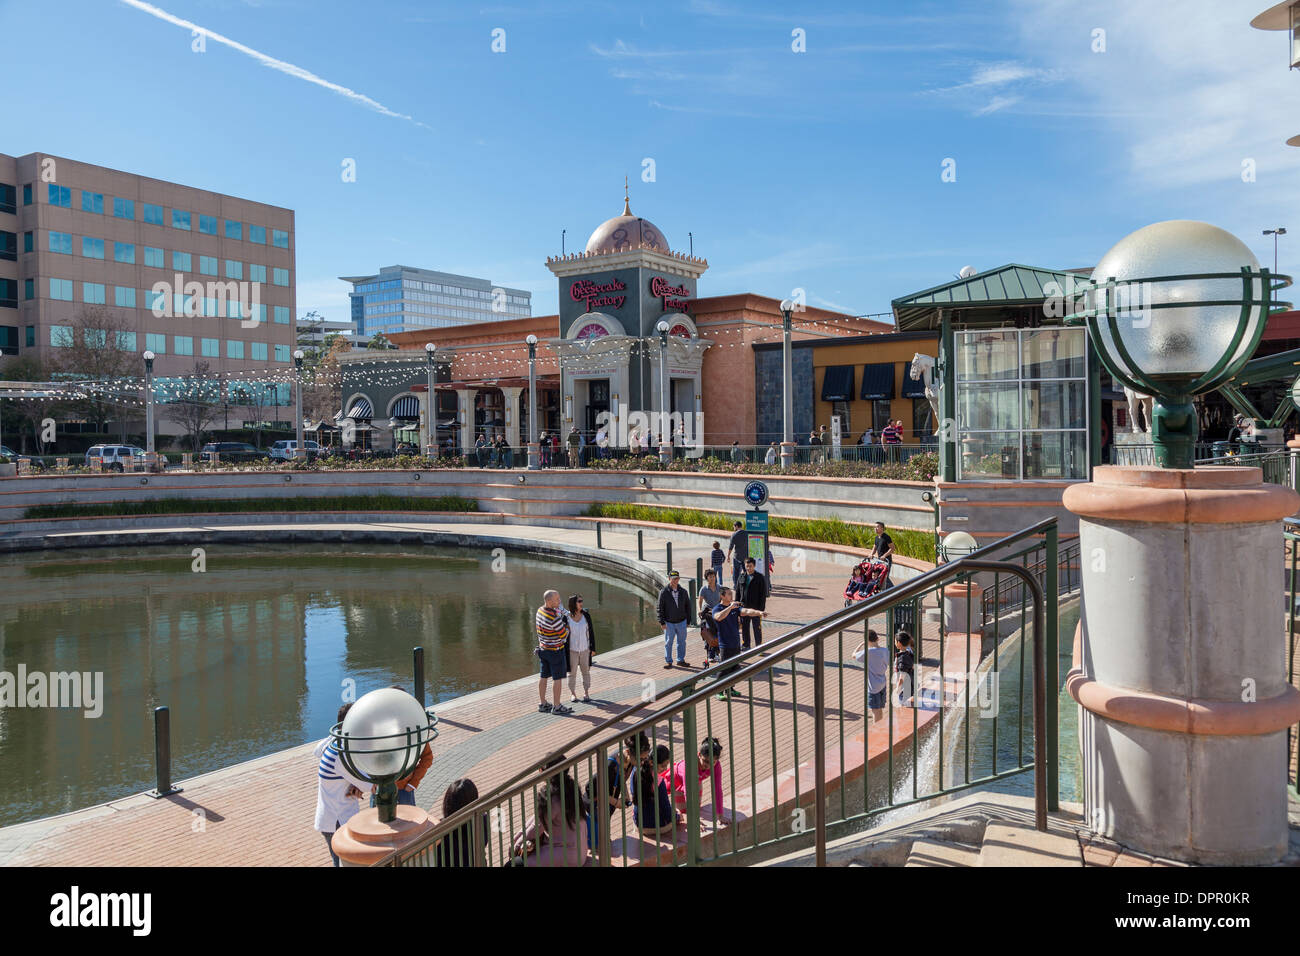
254,652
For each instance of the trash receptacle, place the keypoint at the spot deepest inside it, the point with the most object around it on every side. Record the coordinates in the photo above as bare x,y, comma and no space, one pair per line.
1009,469
1220,449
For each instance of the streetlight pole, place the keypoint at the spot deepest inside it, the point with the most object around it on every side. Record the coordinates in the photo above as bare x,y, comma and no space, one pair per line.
665,432
787,386
1279,231
148,401
297,402
431,420
532,402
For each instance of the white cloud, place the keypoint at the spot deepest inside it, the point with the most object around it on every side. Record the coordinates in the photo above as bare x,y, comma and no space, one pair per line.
997,103
269,61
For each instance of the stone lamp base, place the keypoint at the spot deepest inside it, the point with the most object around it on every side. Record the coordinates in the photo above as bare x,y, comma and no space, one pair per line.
1179,667
364,841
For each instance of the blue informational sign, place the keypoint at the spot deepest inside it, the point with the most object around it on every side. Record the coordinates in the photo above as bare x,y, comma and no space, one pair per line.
756,522
756,493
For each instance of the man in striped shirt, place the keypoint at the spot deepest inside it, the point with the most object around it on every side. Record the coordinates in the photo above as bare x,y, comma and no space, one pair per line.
552,651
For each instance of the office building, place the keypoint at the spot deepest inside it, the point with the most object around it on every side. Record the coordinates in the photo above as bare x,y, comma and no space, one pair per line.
401,298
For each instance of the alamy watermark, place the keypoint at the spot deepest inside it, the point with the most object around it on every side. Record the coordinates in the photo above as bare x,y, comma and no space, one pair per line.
212,299
1127,299
681,429
62,689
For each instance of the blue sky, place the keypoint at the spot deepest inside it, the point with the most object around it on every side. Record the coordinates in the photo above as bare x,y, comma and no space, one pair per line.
819,170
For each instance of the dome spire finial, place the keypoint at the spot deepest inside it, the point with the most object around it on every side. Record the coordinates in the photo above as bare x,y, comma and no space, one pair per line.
627,209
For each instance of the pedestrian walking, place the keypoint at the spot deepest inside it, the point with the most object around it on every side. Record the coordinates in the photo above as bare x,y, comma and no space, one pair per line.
737,456
552,636
602,441
575,447
752,594
481,450
815,448
736,551
904,667
582,648
770,457
884,549
717,557
674,613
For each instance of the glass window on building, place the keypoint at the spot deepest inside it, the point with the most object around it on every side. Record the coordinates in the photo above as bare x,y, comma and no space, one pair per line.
61,336
92,202
61,289
256,273
124,296
234,229
29,289
181,261
282,314
922,420
61,242
880,412
234,349
60,196
155,342
153,214
1022,404
92,248
27,194
126,341
9,245
282,353
210,348
123,208
29,241
155,302
181,219
280,238
257,234
182,345
208,225
234,270
8,198
208,265
280,276
31,337
153,256
124,252
9,294
95,338
93,293
258,351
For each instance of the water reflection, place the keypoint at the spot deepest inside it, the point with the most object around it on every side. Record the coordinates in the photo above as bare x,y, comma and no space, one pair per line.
254,654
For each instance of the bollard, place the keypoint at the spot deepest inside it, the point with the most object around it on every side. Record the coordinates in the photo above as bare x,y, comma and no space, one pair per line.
162,752
640,545
668,552
419,674
599,545
699,571
695,590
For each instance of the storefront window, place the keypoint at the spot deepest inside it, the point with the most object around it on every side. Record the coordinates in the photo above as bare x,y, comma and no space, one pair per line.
1022,404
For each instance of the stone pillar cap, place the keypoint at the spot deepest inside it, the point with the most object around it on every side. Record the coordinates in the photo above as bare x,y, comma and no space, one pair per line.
1215,494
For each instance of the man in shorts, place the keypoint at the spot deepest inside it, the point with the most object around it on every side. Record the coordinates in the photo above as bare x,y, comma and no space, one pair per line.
552,652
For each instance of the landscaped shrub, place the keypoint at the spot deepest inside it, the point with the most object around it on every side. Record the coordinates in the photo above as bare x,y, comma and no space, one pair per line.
168,506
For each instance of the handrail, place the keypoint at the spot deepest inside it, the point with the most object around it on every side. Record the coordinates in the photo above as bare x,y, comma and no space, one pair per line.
784,648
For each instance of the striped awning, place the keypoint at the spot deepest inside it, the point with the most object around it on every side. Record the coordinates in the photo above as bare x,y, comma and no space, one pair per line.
361,409
408,406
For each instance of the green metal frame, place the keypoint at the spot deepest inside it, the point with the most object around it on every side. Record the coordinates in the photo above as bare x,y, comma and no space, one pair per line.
1174,425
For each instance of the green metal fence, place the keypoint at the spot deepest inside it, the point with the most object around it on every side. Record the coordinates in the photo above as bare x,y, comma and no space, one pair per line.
575,804
1291,545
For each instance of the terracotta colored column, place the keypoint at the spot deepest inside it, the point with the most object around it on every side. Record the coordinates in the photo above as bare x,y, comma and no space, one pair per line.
1179,670
364,841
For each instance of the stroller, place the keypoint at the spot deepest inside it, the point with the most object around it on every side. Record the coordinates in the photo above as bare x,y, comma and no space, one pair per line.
869,578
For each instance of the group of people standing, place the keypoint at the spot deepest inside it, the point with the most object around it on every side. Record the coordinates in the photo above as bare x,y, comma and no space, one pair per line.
566,646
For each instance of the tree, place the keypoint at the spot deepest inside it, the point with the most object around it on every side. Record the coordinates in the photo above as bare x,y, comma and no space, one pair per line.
310,341
322,393
194,406
26,417
93,352
380,341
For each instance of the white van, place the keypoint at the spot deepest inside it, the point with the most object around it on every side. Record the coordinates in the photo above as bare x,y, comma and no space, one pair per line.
284,450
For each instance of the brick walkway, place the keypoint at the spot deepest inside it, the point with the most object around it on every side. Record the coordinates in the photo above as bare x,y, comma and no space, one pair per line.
260,812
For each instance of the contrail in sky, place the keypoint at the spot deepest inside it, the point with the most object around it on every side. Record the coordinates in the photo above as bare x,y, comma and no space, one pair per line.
270,61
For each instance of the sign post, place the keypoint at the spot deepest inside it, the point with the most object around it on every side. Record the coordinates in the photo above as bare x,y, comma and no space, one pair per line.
756,525
837,437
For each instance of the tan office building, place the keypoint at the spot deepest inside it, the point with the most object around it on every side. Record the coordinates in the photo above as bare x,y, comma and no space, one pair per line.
193,276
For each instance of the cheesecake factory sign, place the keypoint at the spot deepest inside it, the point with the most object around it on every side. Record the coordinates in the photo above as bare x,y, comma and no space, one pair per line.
673,298
599,296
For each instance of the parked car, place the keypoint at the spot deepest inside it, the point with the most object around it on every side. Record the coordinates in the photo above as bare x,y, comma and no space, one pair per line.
7,454
231,451
139,454
115,456
284,450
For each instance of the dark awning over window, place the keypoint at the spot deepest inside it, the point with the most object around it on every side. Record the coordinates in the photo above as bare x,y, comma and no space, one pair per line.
408,406
878,382
361,409
912,388
837,384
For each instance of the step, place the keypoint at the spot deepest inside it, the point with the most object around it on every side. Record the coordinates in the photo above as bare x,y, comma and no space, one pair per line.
927,852
1007,844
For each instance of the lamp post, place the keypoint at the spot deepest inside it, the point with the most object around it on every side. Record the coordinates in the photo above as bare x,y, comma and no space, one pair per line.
1183,698
148,401
297,401
1279,231
533,450
665,430
430,450
380,741
787,385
